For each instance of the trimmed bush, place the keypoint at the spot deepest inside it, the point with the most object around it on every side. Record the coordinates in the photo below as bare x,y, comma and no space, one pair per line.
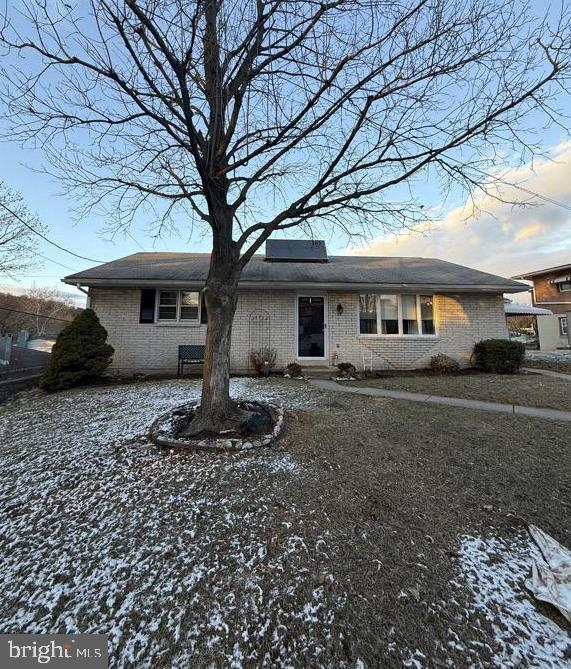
263,360
294,370
500,356
347,370
444,364
79,355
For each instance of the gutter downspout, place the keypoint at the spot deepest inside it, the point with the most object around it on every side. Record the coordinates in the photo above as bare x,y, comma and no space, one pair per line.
86,292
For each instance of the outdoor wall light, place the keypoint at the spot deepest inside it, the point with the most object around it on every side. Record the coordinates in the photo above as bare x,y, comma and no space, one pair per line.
340,309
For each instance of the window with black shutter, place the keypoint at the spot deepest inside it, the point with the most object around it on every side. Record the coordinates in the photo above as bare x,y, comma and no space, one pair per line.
147,313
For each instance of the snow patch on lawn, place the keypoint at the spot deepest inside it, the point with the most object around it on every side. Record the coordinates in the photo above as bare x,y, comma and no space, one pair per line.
182,558
495,570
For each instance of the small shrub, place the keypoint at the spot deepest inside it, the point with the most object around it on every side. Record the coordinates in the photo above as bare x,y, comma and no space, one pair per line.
444,364
347,370
294,370
501,356
79,355
263,360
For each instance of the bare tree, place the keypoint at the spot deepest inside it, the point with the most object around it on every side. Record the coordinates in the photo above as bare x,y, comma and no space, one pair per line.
48,305
258,116
17,241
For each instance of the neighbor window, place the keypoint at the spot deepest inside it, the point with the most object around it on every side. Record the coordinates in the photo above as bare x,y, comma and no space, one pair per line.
564,286
179,305
563,325
396,315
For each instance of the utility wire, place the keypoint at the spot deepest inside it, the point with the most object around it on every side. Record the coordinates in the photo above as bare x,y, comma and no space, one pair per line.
30,313
37,232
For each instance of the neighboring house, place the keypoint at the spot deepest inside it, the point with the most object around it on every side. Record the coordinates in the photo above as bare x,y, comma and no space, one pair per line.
379,313
552,290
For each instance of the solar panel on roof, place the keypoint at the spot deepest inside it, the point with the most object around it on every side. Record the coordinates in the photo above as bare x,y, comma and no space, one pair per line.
296,250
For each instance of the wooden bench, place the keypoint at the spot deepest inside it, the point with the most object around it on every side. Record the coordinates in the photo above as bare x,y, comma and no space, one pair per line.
190,354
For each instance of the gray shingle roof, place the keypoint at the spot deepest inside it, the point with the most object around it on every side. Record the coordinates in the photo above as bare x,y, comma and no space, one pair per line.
190,269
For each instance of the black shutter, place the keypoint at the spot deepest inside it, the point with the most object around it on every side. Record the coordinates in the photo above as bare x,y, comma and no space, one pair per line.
203,313
147,313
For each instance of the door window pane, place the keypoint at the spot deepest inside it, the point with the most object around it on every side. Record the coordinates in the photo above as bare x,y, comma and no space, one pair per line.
167,305
389,314
311,327
427,314
409,320
188,306
368,314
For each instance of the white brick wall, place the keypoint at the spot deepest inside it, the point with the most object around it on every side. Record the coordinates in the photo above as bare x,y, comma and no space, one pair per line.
461,321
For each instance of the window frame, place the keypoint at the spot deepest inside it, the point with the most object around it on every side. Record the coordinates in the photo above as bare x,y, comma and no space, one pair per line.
563,328
400,334
185,322
564,283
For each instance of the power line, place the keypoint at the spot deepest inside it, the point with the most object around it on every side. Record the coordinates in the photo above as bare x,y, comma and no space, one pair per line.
37,253
30,313
37,232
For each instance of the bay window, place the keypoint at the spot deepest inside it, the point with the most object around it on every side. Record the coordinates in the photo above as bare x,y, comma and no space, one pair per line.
396,315
179,306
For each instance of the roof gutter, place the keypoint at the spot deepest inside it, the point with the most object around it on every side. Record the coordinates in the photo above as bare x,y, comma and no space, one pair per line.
313,285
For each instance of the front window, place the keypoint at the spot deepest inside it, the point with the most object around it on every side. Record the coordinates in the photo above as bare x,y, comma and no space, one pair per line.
389,314
179,306
168,305
427,314
189,306
396,315
563,325
368,314
564,286
409,315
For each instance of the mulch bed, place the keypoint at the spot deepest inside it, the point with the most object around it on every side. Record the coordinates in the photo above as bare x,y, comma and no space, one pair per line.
263,426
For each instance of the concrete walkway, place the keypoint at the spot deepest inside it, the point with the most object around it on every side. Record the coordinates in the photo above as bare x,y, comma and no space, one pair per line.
546,372
346,387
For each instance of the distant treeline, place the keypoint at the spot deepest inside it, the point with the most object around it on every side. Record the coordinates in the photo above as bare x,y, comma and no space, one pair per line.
43,312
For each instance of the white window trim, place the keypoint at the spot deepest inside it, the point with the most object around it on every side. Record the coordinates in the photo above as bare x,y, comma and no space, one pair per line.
400,334
564,290
563,327
177,322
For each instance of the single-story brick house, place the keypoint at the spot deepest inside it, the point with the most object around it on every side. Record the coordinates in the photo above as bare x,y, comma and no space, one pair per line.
319,310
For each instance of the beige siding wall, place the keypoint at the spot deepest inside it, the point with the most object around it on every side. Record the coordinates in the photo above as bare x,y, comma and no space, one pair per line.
461,320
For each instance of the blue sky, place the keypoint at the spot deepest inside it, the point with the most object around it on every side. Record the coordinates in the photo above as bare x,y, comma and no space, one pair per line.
503,240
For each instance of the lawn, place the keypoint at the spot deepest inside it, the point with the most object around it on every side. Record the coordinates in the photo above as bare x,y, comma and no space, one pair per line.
556,361
526,389
562,367
375,534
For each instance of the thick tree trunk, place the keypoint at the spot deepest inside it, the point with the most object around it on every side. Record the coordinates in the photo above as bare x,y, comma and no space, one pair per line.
217,411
